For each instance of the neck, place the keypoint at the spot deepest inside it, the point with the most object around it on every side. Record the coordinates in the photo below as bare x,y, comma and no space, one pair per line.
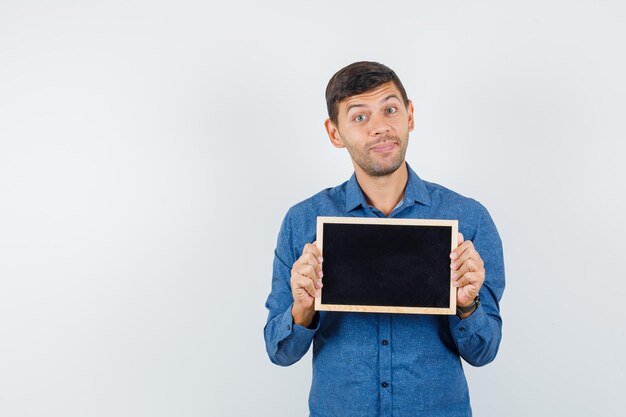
384,192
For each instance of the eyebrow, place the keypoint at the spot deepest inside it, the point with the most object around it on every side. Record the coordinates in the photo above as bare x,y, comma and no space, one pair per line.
356,105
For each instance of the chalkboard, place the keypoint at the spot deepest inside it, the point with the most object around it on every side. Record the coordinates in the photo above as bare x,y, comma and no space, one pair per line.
385,265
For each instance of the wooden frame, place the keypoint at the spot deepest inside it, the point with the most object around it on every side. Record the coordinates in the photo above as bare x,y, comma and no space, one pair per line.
449,308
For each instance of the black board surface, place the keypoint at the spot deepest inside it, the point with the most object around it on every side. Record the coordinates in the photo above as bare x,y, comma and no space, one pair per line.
388,265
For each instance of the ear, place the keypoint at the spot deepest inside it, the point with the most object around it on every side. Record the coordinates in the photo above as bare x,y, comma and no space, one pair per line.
333,134
409,110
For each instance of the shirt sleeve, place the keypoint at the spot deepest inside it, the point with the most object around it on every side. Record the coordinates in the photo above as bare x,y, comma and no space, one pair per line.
285,341
478,336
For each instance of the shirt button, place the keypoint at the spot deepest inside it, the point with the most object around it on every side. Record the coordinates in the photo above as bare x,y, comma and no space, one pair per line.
384,385
288,327
385,342
461,329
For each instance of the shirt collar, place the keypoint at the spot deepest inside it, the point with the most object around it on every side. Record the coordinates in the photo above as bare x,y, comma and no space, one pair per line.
415,191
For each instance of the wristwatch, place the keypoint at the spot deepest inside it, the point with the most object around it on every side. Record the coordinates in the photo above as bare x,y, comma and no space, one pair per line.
468,309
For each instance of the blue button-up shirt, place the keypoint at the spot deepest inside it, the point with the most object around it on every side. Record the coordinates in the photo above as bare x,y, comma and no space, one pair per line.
401,365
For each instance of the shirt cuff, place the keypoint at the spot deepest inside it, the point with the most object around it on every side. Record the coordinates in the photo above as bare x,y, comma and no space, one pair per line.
297,332
462,328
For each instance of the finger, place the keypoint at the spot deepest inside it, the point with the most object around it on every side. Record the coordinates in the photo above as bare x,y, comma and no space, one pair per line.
304,283
460,238
310,259
470,265
471,259
313,249
471,253
307,271
301,295
464,252
467,294
459,249
458,273
312,273
454,256
470,278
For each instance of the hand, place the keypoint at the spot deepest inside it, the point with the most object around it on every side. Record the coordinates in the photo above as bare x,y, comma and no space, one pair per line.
467,272
306,280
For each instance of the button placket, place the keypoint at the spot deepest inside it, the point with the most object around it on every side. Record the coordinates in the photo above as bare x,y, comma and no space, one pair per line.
385,357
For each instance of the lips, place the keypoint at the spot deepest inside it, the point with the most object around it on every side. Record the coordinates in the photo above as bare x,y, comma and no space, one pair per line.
384,147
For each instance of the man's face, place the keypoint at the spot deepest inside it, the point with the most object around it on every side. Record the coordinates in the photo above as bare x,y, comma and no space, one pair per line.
374,127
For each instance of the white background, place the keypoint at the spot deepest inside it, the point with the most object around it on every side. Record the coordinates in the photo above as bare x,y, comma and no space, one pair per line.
149,150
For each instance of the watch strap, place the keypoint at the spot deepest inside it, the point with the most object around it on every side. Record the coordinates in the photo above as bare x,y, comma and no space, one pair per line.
470,308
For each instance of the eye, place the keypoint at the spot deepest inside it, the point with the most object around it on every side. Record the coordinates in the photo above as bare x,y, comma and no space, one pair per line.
360,118
391,110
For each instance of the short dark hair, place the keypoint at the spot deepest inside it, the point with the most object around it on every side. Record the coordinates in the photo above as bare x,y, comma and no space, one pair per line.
357,78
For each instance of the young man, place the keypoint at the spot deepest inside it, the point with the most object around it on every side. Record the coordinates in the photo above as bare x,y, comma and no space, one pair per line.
368,364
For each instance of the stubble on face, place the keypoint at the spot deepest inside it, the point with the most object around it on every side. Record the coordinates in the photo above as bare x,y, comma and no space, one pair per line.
379,165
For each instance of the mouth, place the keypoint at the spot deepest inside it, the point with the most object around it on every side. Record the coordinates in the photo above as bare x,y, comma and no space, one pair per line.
384,147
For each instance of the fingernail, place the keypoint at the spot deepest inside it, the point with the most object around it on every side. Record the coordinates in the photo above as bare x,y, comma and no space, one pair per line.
321,274
453,255
320,259
455,276
453,265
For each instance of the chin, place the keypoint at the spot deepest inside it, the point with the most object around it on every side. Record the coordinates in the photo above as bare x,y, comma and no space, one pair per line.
380,171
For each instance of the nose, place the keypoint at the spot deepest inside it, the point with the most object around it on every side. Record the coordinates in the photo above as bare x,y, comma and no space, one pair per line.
378,125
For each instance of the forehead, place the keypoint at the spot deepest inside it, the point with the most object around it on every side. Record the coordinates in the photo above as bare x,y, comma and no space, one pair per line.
375,96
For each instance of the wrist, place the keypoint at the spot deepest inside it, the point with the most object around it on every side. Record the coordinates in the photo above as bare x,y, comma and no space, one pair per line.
301,315
465,311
